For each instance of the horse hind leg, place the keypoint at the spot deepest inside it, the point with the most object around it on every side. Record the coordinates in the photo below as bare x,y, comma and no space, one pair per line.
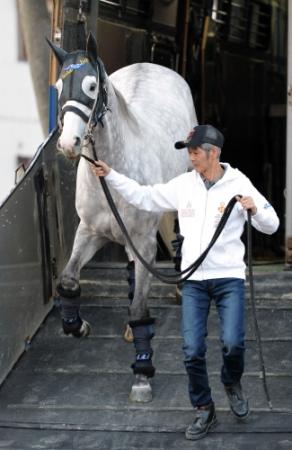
131,279
127,334
131,273
85,246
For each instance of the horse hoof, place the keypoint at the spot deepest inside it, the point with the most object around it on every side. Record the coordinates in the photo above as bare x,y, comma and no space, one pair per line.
84,330
128,334
141,391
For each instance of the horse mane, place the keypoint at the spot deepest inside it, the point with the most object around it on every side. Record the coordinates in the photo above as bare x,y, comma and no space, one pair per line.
125,107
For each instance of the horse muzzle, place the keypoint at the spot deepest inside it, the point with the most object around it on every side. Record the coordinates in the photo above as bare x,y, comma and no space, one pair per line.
70,147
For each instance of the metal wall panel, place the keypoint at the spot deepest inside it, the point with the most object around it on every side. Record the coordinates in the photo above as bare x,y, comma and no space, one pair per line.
37,223
165,12
120,45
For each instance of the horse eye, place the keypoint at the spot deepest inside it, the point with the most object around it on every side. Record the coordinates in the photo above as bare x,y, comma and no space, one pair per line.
89,86
92,87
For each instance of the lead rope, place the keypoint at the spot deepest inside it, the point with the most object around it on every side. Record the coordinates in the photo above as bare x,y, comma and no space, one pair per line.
169,279
174,279
254,312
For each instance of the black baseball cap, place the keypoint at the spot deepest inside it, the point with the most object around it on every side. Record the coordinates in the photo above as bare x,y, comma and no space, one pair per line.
202,134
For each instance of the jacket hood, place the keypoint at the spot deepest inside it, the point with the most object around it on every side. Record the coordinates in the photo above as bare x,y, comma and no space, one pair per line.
230,173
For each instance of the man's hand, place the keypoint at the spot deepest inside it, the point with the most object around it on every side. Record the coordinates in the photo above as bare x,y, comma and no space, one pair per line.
247,203
101,170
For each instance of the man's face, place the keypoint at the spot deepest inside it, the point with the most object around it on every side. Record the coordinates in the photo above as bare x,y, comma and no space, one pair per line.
200,159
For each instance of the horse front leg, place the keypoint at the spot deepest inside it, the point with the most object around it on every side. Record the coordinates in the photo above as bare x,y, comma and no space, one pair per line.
85,245
142,325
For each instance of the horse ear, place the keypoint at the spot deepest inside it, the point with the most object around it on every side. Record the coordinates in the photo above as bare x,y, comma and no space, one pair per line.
91,47
58,52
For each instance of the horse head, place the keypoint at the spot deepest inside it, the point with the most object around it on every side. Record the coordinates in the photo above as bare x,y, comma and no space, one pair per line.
82,95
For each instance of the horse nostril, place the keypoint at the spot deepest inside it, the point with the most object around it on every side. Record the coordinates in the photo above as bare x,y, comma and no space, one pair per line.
77,141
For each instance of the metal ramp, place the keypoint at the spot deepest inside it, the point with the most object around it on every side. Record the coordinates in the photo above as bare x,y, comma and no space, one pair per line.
66,393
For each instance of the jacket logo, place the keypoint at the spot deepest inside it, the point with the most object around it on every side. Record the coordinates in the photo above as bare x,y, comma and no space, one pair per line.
218,215
188,211
221,207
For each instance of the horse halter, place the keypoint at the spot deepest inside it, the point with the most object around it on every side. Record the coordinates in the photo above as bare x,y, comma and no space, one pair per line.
75,68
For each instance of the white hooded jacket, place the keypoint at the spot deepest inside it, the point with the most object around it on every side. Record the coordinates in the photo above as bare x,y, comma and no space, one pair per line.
199,212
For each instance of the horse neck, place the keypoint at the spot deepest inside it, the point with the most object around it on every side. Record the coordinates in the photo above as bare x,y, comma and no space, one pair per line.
110,138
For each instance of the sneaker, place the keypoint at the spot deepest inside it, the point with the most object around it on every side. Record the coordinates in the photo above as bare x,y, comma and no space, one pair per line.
79,328
204,421
237,401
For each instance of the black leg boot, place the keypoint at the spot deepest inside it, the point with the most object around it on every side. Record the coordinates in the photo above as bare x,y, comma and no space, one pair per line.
143,332
69,306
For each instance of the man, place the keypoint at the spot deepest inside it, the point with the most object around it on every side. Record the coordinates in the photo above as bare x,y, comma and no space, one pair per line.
200,197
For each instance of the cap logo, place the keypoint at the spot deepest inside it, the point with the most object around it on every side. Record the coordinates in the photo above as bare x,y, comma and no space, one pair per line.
190,135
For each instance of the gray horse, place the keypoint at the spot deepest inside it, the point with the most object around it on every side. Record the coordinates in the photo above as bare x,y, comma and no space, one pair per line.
139,112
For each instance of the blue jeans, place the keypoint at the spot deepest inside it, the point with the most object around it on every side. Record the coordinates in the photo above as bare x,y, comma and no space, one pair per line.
229,297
